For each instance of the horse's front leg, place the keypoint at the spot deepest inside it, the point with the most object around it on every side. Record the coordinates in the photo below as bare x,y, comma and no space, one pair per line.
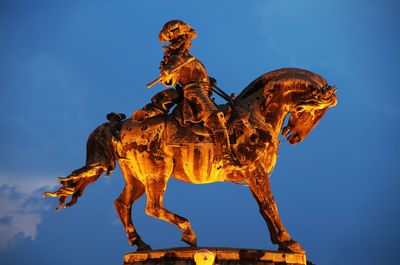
155,188
261,190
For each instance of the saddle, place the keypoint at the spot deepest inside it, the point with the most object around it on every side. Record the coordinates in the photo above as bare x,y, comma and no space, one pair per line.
197,133
187,133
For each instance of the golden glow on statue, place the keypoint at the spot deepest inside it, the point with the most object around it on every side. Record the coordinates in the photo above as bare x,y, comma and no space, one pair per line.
204,257
200,142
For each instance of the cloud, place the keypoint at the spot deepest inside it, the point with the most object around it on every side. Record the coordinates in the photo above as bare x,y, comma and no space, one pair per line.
374,103
391,108
21,210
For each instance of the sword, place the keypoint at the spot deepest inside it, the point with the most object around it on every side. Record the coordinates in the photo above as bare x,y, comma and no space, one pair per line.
221,93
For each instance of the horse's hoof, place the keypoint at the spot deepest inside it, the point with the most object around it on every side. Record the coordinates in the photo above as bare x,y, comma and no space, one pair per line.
135,240
143,247
190,239
291,246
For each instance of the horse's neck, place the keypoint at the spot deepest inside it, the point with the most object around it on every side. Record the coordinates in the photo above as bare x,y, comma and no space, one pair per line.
276,118
272,113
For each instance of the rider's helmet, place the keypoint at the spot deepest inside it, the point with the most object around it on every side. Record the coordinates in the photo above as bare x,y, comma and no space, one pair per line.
174,29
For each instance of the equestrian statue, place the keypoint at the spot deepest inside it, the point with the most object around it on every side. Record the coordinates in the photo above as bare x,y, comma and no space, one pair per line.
183,134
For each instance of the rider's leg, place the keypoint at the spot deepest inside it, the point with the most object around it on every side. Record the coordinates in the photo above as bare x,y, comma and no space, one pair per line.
160,104
149,111
216,123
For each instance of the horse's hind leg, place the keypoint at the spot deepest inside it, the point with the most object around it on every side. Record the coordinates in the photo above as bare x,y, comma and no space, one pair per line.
133,190
261,190
155,189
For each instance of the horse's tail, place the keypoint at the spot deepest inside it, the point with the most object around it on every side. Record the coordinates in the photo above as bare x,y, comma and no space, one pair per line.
100,158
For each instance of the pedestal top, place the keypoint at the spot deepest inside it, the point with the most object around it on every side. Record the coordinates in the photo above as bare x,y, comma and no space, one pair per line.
213,255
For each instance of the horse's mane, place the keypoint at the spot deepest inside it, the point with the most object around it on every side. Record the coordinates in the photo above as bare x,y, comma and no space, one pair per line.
283,75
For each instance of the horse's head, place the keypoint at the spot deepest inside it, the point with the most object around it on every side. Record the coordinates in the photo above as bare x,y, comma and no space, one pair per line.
306,95
309,106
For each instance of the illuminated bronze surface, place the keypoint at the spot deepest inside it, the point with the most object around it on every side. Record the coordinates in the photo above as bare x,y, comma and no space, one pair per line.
217,256
200,142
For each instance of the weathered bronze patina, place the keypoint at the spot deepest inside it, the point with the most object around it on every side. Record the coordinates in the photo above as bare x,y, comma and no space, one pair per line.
200,142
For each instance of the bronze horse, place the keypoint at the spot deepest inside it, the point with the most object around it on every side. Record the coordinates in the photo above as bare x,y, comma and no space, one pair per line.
151,152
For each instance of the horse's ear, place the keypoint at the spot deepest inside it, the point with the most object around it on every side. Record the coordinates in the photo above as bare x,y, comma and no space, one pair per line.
301,124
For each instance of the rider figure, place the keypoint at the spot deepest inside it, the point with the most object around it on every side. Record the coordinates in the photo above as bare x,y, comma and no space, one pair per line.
180,67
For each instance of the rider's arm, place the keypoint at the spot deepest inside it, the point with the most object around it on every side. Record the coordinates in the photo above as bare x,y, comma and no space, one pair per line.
170,72
173,62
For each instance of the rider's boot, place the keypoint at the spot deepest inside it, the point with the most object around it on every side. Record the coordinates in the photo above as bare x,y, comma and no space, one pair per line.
149,111
160,104
216,123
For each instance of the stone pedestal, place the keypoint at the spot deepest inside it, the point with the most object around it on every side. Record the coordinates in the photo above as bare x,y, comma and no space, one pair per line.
216,256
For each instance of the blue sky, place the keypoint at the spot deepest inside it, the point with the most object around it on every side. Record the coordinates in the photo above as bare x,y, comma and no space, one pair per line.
65,64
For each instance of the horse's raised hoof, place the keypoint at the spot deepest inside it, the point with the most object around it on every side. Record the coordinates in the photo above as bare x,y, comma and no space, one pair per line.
190,239
291,246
